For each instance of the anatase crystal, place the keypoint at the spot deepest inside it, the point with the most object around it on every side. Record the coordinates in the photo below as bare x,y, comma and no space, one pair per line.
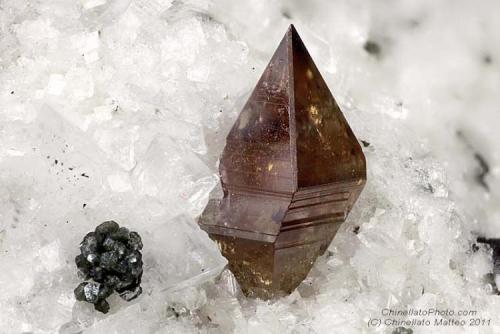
291,171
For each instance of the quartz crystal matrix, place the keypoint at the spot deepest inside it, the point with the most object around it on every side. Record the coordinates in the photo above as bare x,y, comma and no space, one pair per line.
291,170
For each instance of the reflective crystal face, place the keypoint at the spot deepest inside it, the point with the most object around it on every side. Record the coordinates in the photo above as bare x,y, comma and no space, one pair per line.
291,171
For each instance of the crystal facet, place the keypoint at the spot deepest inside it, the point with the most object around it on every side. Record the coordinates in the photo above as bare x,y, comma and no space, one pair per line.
291,171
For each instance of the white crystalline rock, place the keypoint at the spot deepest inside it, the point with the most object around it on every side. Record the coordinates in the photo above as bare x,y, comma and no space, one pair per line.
49,256
226,312
190,179
61,302
336,316
152,8
189,298
98,13
202,260
91,42
88,45
37,34
198,74
119,182
118,109
88,4
80,83
130,320
119,144
20,112
19,281
229,283
103,113
56,84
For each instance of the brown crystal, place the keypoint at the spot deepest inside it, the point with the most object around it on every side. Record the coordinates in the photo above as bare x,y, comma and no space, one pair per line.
291,171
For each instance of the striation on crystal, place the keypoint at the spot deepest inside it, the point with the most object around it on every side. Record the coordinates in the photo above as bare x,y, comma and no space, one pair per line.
291,171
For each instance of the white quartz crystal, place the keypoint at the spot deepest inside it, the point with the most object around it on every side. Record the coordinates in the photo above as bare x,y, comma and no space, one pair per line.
118,109
88,4
56,84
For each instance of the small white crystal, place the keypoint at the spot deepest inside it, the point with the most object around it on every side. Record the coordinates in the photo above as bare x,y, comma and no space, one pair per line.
39,93
190,258
189,183
91,41
80,83
152,8
198,73
50,256
88,4
26,328
56,84
119,182
119,144
190,298
15,153
91,57
103,113
229,283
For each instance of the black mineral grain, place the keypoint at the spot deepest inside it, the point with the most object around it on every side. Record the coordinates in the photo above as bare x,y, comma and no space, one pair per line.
372,48
109,261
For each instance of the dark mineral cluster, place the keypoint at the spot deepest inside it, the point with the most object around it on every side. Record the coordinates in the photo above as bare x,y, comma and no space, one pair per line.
110,260
494,244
